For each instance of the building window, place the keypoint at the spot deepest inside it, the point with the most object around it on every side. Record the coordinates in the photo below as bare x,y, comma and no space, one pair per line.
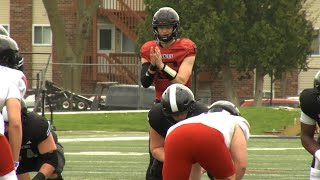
316,45
127,44
105,39
42,35
6,27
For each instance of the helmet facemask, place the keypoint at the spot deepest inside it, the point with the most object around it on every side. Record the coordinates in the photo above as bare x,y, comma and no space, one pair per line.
9,55
165,39
11,58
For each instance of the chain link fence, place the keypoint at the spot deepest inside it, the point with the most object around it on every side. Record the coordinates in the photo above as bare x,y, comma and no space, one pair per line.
104,86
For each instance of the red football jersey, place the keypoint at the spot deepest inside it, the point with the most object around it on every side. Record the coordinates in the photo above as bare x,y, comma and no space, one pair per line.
172,56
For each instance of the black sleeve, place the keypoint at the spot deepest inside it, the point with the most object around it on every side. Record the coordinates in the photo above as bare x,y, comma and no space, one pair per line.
309,103
157,120
41,124
146,80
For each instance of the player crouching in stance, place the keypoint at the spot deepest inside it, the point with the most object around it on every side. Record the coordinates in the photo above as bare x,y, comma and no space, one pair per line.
12,89
216,141
40,151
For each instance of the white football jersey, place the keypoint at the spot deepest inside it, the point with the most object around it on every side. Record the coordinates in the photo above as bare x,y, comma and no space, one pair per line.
12,86
221,121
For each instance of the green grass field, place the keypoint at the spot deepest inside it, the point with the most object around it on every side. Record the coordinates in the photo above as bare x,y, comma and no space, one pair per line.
261,119
112,156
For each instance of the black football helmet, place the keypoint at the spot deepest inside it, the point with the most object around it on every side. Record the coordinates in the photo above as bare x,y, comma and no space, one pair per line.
316,82
3,31
9,55
165,16
177,99
219,106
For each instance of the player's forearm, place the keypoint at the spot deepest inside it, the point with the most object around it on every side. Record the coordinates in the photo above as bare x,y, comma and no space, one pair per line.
15,140
309,144
240,171
147,74
180,79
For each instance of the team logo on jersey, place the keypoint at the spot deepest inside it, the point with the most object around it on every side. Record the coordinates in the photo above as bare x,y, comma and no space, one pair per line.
167,56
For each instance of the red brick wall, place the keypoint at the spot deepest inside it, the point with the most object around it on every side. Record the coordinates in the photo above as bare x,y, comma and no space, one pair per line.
21,30
291,82
243,84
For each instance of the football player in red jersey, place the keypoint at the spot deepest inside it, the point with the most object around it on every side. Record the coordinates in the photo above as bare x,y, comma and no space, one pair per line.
167,59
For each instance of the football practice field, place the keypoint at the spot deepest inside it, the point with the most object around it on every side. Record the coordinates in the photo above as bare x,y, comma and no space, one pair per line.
124,156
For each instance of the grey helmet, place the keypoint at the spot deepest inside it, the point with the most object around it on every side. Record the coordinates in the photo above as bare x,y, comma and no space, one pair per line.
3,31
219,106
177,99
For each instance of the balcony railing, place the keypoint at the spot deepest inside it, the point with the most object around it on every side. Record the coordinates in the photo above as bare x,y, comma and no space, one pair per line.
124,14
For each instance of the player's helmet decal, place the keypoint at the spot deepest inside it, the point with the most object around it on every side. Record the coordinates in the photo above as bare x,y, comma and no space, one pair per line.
177,99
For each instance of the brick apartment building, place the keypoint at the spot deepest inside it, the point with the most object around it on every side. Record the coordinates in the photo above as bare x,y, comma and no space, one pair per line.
112,42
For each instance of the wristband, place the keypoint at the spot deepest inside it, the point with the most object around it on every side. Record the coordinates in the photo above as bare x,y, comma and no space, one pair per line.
39,176
152,67
169,72
16,165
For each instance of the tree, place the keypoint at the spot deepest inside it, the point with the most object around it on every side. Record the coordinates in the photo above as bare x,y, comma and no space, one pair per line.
269,37
66,52
278,41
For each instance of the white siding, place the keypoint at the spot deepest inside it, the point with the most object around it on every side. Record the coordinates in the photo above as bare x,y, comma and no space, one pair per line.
39,14
40,62
313,9
267,84
4,12
306,77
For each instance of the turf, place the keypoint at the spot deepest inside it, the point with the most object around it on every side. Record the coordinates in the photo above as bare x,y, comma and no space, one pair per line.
281,159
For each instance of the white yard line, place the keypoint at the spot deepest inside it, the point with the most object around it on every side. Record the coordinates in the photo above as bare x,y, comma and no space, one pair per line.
104,139
106,153
275,149
116,153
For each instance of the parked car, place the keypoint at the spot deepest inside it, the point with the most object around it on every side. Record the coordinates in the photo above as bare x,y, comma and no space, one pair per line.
276,102
127,97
